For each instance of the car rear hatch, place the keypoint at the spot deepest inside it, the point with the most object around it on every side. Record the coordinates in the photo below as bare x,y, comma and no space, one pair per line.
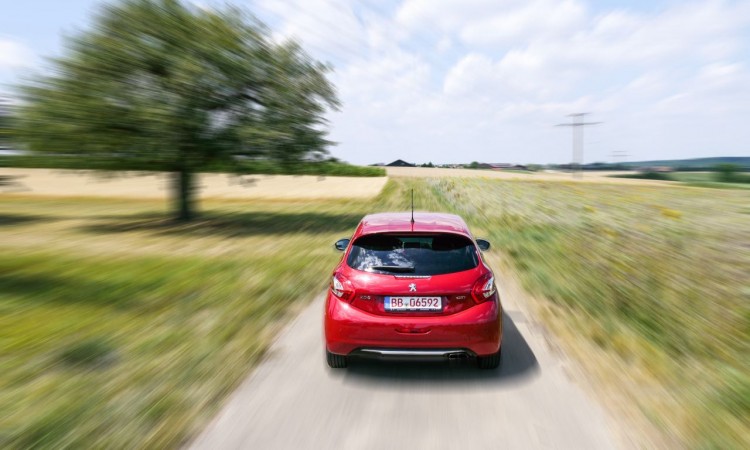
408,274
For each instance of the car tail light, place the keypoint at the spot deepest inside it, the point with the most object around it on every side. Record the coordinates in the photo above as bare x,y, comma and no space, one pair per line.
342,287
484,288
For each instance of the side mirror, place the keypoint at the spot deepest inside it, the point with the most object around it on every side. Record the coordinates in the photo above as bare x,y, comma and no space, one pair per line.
483,244
341,244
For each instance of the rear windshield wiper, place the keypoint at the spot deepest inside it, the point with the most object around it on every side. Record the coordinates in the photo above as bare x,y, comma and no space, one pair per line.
399,269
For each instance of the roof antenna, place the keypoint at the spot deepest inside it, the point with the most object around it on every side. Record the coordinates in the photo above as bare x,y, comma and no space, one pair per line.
412,208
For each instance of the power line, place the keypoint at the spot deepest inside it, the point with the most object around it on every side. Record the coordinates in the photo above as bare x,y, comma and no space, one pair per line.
621,155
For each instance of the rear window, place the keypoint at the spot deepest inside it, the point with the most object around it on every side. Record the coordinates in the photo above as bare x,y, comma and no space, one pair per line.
433,254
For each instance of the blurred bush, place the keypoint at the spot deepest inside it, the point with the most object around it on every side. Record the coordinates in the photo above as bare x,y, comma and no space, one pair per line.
730,173
648,175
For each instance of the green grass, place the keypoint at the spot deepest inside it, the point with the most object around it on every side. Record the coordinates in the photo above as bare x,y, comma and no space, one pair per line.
656,276
695,179
122,329
711,180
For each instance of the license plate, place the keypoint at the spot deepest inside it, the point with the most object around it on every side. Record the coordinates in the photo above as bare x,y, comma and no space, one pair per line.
413,304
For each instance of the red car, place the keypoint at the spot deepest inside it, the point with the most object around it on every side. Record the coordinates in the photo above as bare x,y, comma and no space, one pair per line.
413,285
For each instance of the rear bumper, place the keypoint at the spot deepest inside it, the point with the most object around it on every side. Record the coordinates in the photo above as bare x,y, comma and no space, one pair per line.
413,354
476,331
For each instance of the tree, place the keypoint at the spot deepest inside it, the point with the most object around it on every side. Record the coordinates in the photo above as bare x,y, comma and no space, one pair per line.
178,88
5,123
726,173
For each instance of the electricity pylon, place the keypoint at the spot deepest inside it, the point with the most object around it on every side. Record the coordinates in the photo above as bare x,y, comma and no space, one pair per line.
577,123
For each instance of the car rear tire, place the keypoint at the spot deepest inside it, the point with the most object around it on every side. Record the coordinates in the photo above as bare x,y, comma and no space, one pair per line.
335,361
490,361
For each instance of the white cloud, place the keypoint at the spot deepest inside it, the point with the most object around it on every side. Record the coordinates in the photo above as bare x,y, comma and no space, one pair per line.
472,74
535,18
14,54
721,75
448,16
645,49
328,29
461,80
444,44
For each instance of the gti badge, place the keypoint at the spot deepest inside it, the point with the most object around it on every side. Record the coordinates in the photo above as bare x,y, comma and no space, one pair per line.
413,287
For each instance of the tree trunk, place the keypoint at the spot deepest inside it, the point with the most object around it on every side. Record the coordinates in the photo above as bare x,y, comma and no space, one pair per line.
184,194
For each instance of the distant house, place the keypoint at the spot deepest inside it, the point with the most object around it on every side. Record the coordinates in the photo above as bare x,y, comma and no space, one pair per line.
400,163
499,166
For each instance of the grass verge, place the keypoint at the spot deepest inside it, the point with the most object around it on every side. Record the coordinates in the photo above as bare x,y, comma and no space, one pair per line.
657,278
122,329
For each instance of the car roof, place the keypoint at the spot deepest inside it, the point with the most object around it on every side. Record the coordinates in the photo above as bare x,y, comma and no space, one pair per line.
424,222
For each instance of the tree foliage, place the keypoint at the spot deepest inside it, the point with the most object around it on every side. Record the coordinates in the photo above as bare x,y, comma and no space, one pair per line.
727,173
5,123
179,87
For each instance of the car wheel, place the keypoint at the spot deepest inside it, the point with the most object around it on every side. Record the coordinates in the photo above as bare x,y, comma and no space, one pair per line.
335,361
491,361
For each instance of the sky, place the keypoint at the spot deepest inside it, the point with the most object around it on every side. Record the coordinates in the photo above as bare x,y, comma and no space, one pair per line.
451,81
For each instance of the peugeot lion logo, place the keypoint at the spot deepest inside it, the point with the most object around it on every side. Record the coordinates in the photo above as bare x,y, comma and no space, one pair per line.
413,287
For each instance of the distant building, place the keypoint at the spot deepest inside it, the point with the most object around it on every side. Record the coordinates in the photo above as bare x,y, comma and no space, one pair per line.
503,166
400,163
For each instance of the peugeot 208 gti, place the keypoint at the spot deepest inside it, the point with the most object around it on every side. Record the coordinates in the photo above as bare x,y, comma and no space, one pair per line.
413,287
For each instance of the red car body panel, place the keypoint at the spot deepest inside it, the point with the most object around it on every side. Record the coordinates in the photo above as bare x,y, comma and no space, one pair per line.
360,320
477,330
401,222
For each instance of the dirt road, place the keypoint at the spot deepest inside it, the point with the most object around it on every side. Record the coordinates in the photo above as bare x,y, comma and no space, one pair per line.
293,400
